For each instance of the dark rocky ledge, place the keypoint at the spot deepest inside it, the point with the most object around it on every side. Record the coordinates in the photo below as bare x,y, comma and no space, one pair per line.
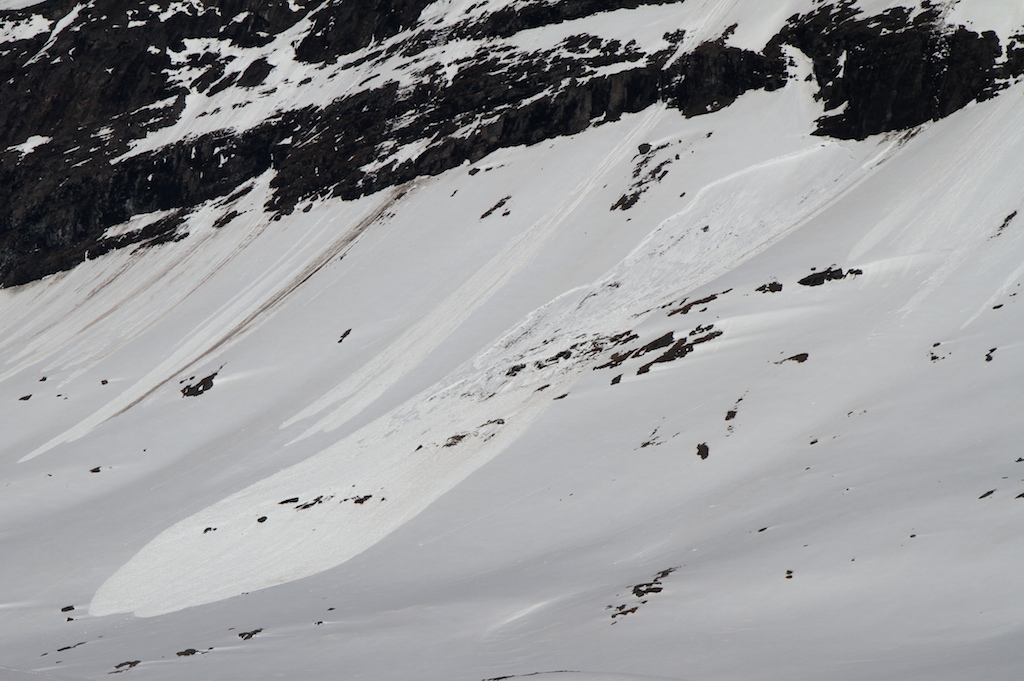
102,84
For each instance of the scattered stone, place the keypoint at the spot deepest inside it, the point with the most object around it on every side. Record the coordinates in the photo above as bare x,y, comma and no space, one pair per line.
703,451
819,278
515,369
1006,223
456,439
246,635
262,519
703,301
498,205
681,348
199,387
125,666
799,358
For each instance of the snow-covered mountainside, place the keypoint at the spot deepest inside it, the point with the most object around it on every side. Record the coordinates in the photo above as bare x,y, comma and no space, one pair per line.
596,340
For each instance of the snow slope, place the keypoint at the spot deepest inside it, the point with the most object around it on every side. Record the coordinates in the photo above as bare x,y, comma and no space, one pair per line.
487,424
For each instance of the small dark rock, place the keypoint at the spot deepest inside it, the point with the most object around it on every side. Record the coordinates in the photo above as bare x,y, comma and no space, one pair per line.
819,278
199,387
770,287
125,666
455,439
515,369
255,74
799,358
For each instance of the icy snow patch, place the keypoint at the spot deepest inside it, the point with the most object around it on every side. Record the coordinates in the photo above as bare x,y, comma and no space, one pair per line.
64,22
23,29
29,145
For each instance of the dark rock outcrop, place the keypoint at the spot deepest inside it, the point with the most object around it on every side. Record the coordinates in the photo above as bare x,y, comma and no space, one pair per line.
108,78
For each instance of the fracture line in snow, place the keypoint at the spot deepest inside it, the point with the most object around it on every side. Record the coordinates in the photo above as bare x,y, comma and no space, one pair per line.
378,375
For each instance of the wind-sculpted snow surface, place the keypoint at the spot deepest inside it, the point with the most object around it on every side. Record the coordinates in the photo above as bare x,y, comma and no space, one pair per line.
511,340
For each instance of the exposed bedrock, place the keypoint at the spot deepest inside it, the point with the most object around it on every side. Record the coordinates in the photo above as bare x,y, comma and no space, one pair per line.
108,78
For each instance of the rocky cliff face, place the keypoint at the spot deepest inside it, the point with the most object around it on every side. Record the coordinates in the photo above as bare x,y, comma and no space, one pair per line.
88,88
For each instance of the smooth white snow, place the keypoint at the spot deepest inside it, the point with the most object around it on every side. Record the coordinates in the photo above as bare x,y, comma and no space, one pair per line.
841,526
